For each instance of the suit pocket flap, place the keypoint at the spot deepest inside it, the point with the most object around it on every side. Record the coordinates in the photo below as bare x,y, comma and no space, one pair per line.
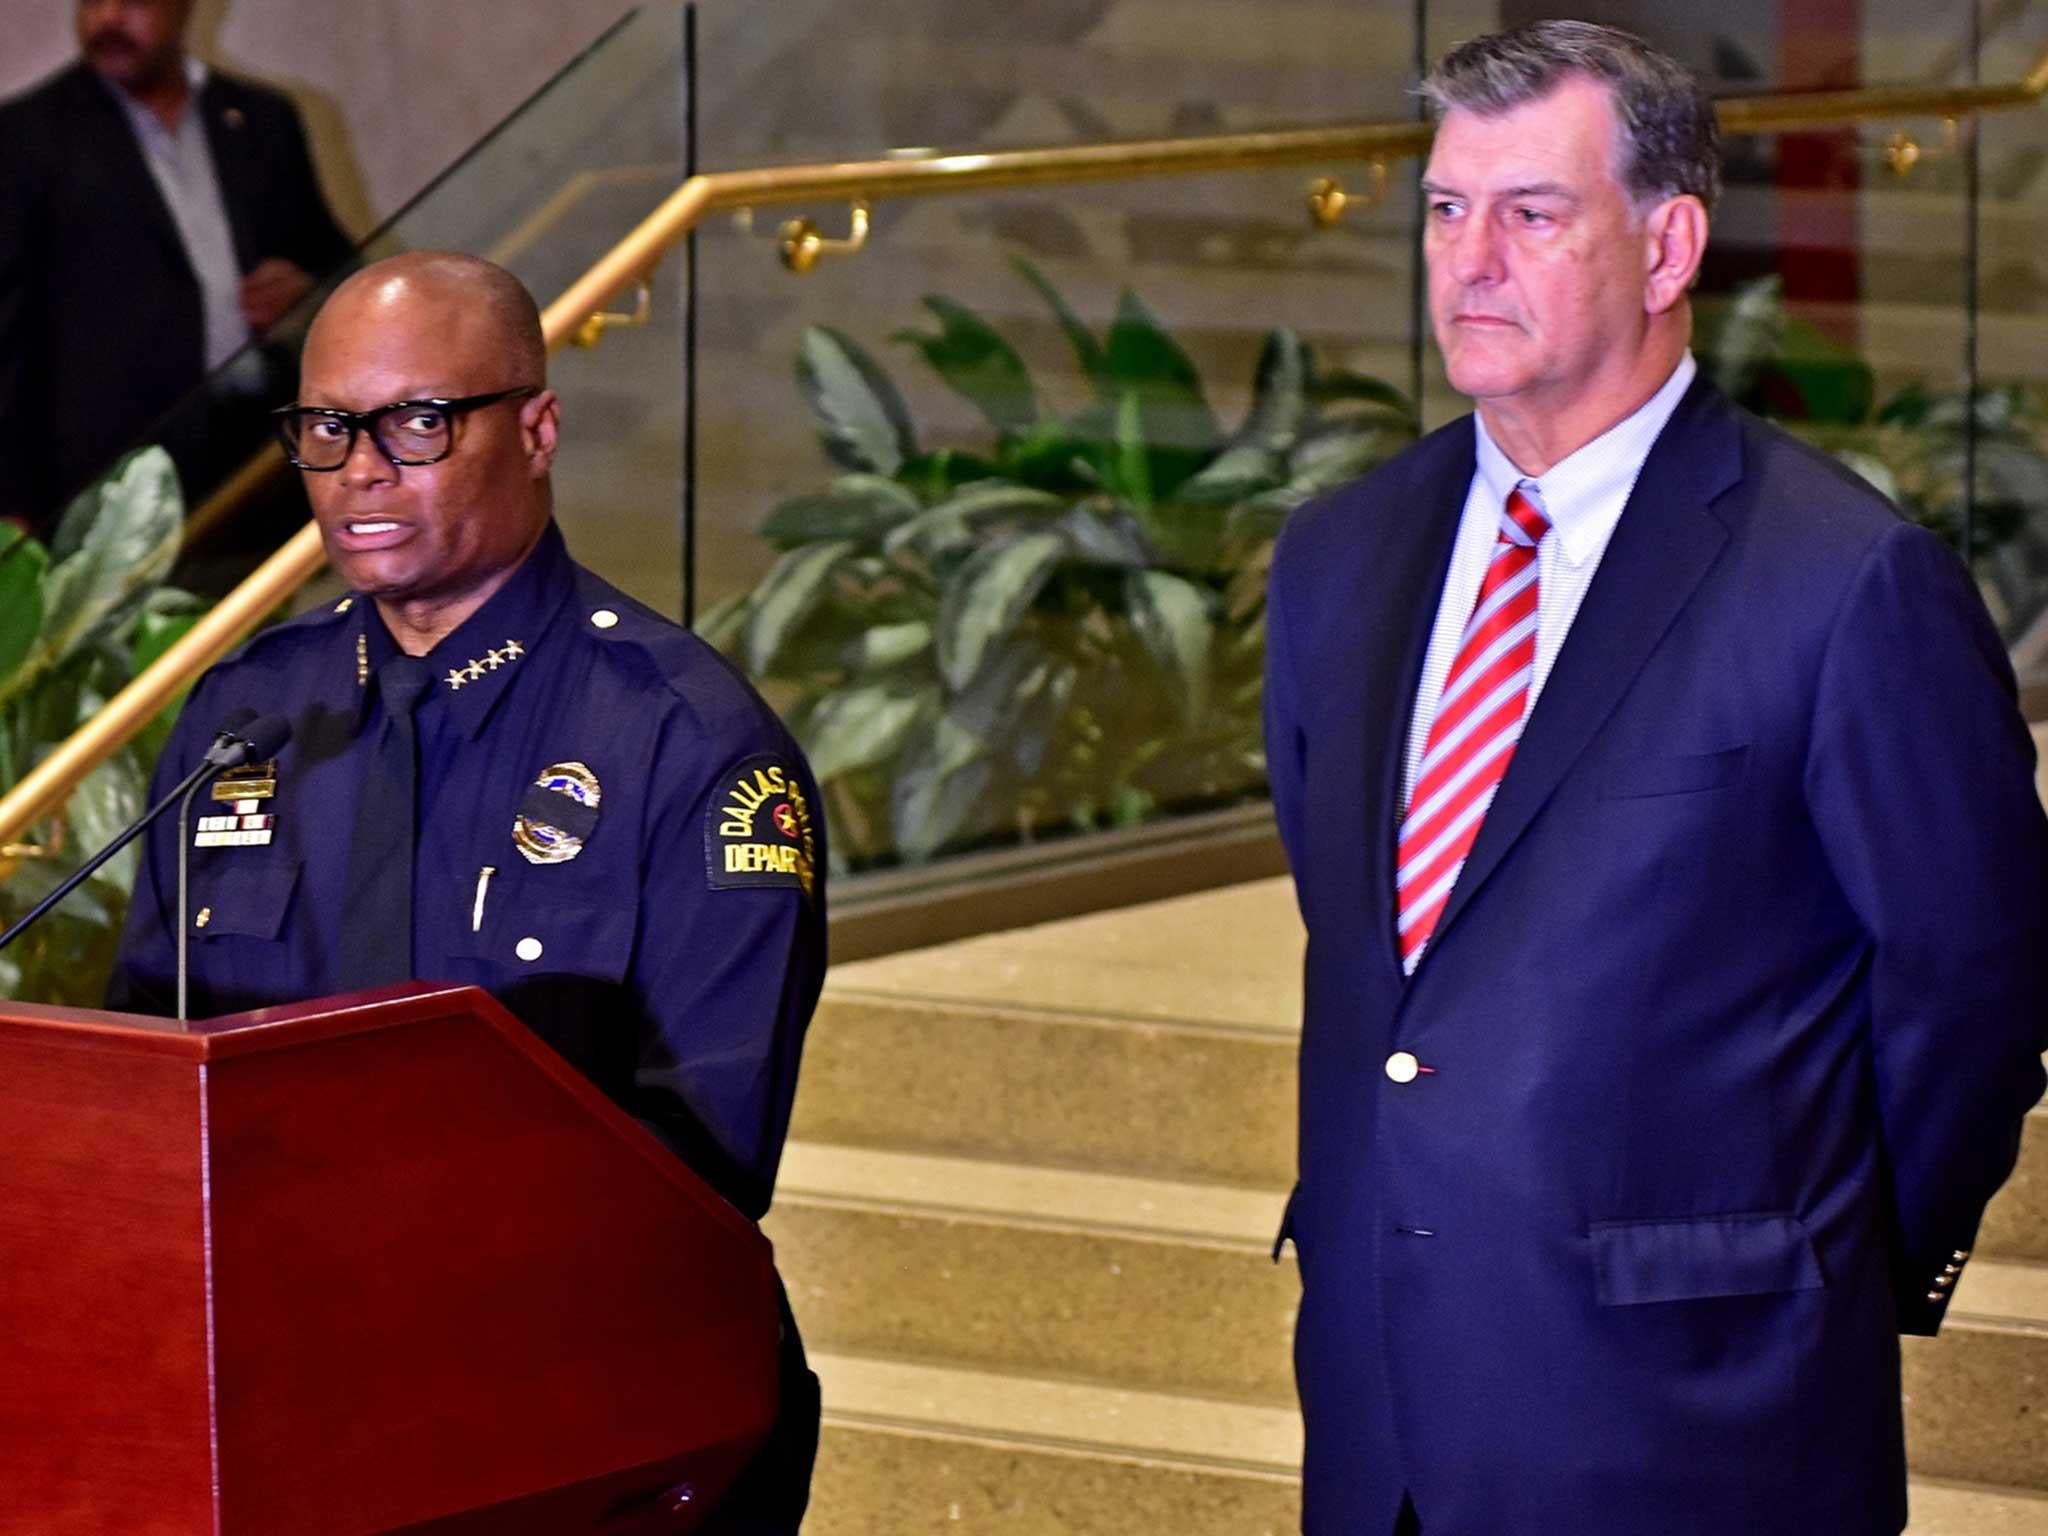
1674,775
242,902
1642,1261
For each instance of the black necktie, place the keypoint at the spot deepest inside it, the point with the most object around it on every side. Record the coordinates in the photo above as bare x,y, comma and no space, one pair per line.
376,914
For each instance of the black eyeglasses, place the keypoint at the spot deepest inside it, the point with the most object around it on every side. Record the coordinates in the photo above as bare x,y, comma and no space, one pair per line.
407,432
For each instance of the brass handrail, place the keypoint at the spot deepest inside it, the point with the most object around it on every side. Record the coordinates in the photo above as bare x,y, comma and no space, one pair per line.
632,261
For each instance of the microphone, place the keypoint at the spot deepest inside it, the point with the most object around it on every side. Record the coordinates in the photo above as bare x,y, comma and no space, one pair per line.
232,734
243,738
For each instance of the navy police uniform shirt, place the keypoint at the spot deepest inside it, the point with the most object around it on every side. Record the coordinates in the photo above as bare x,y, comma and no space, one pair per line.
614,835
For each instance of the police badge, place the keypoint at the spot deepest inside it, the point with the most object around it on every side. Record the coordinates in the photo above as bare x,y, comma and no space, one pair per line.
557,815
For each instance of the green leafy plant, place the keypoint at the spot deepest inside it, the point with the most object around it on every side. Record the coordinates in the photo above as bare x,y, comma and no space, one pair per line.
1913,445
78,620
1062,627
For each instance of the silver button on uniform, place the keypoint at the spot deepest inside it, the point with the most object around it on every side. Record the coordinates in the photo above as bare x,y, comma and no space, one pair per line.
527,949
1402,1067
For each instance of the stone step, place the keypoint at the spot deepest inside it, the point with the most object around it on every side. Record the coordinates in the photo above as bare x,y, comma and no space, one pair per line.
1167,1287
1099,1042
918,1450
1977,1396
1167,1100
911,1449
1138,1283
2016,1222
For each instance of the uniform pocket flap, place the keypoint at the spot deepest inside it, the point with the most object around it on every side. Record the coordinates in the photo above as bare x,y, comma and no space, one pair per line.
1674,775
1642,1261
248,903
535,932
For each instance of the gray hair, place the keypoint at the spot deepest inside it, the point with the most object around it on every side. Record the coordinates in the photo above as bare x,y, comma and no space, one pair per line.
1670,142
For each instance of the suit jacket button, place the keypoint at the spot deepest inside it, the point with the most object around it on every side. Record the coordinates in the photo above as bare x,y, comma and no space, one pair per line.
1402,1067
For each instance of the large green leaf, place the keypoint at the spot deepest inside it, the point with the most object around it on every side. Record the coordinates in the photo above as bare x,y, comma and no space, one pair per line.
1874,470
1280,393
1340,451
1105,536
1088,351
987,597
1290,398
719,625
858,507
1751,327
972,357
956,522
23,563
122,538
104,802
1172,617
1342,387
1053,456
881,646
950,762
857,727
1131,458
155,633
932,477
785,598
930,801
861,417
1817,379
1178,428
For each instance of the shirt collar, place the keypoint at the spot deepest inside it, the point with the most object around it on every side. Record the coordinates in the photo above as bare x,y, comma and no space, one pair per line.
1584,493
141,116
475,663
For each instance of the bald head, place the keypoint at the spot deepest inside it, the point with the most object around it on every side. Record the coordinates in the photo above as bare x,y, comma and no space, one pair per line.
446,348
451,292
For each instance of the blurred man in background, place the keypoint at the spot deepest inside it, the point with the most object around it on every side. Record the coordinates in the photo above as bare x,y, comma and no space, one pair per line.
156,217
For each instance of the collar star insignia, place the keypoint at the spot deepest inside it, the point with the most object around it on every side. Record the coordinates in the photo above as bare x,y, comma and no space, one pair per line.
491,660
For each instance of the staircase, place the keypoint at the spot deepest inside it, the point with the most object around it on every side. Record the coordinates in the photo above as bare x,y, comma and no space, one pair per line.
1025,1221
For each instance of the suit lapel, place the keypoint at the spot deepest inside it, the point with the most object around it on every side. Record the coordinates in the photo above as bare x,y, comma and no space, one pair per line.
108,146
1408,577
228,139
1664,544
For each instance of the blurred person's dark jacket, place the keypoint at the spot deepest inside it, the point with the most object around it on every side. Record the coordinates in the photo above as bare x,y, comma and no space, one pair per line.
101,322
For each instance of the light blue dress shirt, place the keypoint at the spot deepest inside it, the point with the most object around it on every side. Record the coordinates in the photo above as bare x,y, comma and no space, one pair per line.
181,161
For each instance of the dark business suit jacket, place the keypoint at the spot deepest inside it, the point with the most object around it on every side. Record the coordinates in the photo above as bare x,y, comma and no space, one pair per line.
101,328
1732,1017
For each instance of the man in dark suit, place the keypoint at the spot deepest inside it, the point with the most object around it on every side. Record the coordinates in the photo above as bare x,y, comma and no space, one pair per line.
155,217
1674,880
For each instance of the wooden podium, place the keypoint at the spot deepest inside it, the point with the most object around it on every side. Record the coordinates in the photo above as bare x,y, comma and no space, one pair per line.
378,1263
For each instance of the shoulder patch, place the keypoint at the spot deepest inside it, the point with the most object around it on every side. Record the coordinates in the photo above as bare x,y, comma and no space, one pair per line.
757,828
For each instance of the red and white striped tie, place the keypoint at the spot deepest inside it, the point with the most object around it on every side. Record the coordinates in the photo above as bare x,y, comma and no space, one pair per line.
1478,721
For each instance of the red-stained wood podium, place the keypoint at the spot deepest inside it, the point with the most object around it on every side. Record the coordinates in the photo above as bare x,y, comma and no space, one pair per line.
378,1263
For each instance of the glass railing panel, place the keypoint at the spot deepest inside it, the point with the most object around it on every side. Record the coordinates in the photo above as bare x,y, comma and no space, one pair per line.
823,80
2011,458
986,506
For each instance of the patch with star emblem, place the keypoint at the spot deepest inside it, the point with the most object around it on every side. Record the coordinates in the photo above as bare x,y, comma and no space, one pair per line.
557,815
758,829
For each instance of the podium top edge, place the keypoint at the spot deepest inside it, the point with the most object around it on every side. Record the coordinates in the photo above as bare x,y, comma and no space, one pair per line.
234,1034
